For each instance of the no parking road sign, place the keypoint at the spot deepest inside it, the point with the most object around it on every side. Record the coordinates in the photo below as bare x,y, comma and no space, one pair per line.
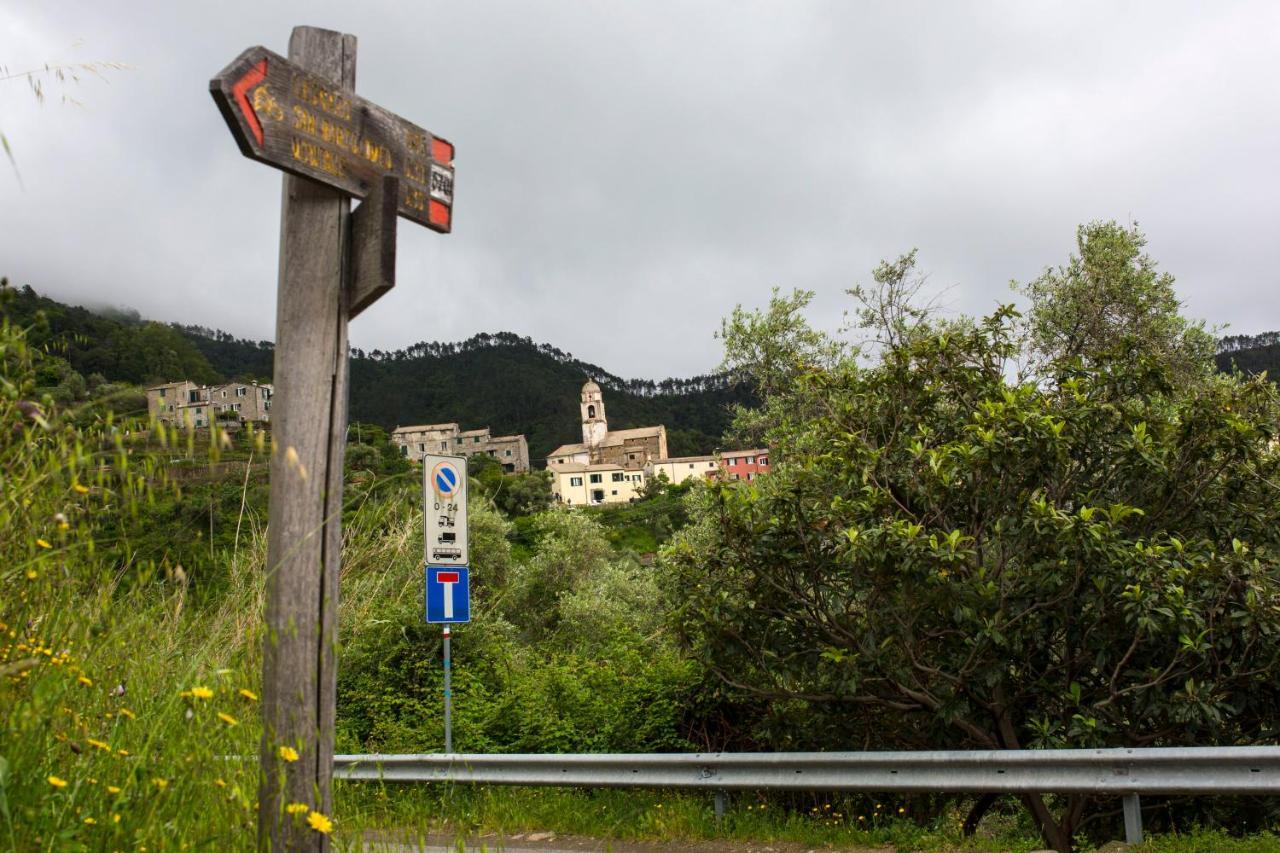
448,595
444,501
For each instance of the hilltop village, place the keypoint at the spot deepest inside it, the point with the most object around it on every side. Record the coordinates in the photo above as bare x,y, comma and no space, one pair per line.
607,466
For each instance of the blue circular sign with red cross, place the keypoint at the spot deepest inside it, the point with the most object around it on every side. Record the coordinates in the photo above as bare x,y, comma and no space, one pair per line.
445,480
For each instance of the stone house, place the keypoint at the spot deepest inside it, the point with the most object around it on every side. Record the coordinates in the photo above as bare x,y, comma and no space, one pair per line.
188,404
511,451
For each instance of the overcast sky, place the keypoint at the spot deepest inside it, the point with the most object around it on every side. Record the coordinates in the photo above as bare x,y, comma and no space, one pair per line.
628,172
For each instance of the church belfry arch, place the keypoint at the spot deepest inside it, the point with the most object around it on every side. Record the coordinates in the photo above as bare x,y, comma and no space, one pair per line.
595,426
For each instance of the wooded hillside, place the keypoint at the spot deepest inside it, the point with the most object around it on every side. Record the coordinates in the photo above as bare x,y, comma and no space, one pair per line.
503,381
1251,353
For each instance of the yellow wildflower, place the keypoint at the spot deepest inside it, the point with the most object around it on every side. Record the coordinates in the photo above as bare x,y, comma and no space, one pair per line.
123,752
297,808
228,719
90,821
43,544
32,574
249,694
320,823
288,753
160,783
87,682
57,783
84,490
219,783
112,789
126,712
202,692
115,818
99,744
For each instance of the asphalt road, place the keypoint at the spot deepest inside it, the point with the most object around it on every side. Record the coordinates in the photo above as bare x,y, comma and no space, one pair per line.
547,842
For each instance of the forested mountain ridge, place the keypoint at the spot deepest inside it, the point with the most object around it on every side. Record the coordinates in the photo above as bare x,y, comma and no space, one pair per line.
513,385
503,381
1251,353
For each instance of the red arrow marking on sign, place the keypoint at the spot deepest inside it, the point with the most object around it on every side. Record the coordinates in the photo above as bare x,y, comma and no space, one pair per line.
240,92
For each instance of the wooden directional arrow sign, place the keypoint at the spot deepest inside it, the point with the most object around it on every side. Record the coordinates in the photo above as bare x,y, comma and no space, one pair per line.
296,121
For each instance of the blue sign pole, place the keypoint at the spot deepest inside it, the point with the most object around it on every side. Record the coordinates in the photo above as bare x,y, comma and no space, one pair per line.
448,602
448,697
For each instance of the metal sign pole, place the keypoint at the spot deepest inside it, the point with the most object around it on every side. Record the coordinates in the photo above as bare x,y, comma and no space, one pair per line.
448,696
446,550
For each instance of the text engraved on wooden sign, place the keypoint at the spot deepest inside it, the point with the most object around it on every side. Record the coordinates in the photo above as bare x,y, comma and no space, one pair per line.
296,121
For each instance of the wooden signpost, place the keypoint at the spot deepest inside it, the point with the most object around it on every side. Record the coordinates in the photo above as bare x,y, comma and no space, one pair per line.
301,115
286,115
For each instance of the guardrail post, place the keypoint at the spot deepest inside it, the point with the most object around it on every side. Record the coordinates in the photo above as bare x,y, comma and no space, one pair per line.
719,807
1132,819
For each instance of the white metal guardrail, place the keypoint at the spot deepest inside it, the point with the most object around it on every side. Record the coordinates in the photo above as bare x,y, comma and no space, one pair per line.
1109,772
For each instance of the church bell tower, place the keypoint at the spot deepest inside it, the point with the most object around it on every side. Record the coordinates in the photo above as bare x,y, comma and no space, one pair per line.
594,424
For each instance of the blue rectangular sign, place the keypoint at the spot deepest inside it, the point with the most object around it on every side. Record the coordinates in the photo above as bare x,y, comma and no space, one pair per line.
448,594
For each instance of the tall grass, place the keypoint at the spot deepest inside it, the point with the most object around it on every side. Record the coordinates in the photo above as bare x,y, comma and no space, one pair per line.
122,700
128,689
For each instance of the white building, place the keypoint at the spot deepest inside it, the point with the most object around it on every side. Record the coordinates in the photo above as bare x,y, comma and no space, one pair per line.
683,468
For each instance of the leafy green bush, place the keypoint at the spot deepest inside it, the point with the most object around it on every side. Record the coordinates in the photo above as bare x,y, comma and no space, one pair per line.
1086,557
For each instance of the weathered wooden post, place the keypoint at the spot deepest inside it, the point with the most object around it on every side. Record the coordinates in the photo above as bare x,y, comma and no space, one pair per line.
301,115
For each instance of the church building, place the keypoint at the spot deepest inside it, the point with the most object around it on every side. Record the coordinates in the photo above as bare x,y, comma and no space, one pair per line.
624,448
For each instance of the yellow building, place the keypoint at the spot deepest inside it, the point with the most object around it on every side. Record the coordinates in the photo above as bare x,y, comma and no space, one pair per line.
579,484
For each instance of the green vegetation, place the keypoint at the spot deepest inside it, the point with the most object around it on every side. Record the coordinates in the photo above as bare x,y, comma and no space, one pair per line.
948,553
1251,354
119,346
1084,555
118,697
641,528
811,821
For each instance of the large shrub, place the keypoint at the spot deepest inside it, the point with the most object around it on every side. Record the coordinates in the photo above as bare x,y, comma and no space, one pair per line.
952,557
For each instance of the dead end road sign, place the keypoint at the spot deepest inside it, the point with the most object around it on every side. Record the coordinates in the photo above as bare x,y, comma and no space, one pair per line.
448,595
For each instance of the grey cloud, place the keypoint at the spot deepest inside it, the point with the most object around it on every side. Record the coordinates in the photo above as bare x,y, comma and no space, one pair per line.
629,172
